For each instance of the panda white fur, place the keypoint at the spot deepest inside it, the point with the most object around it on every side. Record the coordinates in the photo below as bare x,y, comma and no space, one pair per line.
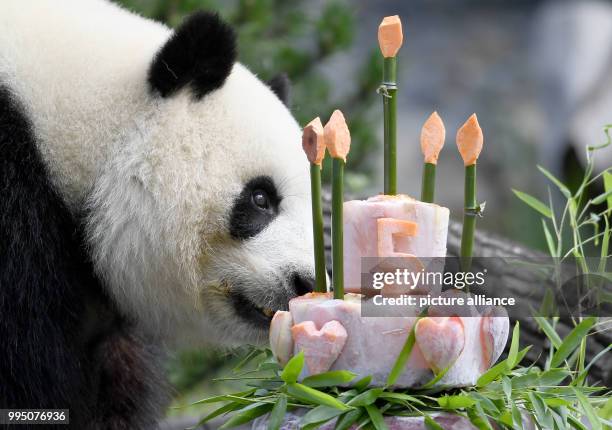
153,192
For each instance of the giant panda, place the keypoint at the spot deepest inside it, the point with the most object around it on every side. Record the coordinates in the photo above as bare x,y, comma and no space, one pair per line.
153,195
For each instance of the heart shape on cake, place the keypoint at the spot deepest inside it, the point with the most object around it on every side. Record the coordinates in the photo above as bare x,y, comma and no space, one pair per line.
321,347
441,340
494,330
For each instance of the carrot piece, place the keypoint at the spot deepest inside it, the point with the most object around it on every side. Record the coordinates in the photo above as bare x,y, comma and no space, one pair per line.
390,36
470,140
313,141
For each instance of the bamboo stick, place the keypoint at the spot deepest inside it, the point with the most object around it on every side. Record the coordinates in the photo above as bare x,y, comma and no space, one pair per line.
313,143
469,142
390,39
337,141
433,134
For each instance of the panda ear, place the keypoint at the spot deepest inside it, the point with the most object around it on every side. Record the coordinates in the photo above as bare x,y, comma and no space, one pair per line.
200,53
281,86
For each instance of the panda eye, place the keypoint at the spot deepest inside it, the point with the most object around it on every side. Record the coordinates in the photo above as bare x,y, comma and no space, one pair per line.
260,199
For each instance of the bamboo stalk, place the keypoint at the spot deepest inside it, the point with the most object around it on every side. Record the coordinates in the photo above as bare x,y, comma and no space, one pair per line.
317,229
433,134
469,142
390,39
337,141
428,187
337,227
313,142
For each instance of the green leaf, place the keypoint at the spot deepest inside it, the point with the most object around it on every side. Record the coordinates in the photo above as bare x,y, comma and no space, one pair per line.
329,379
607,180
507,386
552,249
456,402
436,378
319,415
246,415
588,410
430,424
533,203
401,396
511,361
602,197
500,368
541,411
572,341
220,411
575,422
366,398
564,190
403,357
223,398
524,381
478,418
363,383
517,418
316,397
348,419
293,368
278,413
377,418
549,331
606,410
553,377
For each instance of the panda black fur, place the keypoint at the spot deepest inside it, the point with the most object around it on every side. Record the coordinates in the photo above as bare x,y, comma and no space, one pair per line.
127,214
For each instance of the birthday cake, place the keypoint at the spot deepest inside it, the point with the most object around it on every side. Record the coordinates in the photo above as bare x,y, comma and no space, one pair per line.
448,347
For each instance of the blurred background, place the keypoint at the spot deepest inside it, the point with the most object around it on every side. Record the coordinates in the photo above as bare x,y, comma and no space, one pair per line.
537,73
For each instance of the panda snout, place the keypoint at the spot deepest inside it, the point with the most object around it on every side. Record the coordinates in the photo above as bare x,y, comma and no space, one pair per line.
302,284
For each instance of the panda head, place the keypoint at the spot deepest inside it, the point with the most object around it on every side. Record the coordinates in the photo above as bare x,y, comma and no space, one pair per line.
200,224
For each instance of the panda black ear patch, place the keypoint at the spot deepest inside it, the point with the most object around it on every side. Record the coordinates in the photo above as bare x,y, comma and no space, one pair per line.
281,86
200,53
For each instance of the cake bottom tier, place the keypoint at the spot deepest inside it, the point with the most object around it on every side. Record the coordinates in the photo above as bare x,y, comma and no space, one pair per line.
333,335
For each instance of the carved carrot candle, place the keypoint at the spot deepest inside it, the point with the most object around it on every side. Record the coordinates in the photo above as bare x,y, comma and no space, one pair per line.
469,142
432,141
390,39
313,142
338,142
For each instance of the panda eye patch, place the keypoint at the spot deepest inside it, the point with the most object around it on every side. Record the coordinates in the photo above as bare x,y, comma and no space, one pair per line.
255,208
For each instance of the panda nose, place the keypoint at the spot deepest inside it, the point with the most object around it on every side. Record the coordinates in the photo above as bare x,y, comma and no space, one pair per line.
302,284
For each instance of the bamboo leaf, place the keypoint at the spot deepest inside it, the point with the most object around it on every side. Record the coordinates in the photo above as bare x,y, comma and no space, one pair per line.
607,180
311,395
401,396
588,410
223,398
517,418
220,411
348,419
366,398
246,415
329,379
278,413
552,249
533,203
456,402
478,418
377,418
541,411
575,422
564,190
511,361
293,368
602,197
500,368
363,383
403,357
549,331
430,424
319,415
553,377
572,340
